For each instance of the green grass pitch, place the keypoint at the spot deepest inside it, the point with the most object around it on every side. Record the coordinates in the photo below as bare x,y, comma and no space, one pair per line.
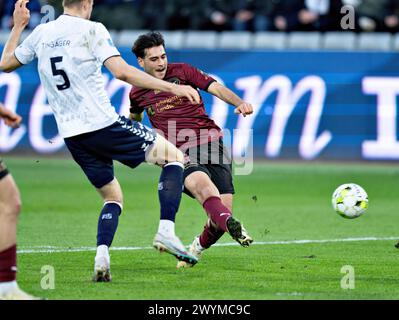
284,202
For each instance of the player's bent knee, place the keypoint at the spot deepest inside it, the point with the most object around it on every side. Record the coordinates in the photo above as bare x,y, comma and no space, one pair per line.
193,181
11,210
112,192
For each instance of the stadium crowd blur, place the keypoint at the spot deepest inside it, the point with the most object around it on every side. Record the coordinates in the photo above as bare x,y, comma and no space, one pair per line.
223,15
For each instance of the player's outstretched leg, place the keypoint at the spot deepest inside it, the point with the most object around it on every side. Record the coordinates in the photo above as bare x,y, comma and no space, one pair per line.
107,226
201,186
10,204
169,191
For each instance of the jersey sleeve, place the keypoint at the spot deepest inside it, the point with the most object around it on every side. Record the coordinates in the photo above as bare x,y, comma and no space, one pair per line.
197,78
25,52
134,104
103,47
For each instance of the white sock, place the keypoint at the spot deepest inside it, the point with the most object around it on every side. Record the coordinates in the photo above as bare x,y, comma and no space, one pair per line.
8,286
166,227
102,251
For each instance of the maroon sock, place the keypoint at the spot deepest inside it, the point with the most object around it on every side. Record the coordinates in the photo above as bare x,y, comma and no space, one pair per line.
8,264
217,212
210,235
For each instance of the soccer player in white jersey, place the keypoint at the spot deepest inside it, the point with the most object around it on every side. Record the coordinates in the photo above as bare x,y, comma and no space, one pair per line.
70,52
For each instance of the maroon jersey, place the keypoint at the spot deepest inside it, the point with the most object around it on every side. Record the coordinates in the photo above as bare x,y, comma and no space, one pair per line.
183,123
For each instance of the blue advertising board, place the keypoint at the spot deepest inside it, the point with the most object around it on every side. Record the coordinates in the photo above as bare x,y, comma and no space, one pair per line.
307,105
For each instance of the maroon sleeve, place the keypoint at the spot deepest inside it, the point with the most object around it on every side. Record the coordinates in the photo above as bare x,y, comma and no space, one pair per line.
134,104
197,78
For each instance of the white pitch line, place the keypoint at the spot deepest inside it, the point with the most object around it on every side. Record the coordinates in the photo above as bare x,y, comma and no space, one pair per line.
55,249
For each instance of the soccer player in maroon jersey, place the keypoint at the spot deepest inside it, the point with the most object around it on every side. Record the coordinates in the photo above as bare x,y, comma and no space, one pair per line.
208,172
10,206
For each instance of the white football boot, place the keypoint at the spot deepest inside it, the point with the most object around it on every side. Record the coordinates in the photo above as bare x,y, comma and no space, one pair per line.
102,269
173,245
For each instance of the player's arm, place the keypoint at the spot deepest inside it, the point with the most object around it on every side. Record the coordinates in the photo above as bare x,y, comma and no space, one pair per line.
230,97
125,72
21,17
137,116
10,118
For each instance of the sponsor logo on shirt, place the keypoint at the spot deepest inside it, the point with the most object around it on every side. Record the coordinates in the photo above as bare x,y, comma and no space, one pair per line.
167,104
167,107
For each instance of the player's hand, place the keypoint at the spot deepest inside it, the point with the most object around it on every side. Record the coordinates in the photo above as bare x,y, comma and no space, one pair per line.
244,108
187,91
21,14
10,118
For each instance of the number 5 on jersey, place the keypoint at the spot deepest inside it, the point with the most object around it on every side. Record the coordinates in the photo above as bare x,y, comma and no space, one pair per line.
59,72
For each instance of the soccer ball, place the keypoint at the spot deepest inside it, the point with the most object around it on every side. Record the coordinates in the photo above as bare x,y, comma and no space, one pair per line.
350,200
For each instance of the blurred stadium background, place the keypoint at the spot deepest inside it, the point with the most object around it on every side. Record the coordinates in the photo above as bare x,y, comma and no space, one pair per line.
321,74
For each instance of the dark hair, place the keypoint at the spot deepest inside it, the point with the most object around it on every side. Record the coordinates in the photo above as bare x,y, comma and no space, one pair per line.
146,41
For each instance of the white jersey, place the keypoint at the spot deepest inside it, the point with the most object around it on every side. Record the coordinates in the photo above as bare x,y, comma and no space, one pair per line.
70,52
